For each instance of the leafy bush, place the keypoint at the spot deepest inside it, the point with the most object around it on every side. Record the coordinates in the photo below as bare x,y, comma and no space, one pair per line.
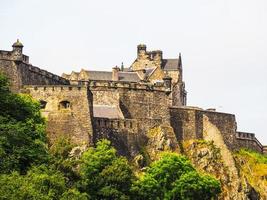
105,175
173,177
22,135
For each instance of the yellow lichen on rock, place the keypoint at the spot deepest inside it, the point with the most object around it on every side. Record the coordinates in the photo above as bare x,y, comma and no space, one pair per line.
253,170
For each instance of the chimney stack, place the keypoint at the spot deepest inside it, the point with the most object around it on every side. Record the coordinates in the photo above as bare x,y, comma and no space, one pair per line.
115,73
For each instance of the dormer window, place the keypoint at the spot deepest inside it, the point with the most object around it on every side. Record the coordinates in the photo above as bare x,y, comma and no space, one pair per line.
64,105
42,104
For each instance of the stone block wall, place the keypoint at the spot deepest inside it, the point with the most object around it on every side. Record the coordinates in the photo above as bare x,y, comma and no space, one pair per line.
9,68
68,110
22,73
147,104
248,140
123,133
194,123
31,75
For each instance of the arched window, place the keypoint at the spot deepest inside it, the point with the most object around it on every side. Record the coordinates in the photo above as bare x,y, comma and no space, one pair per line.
64,105
42,104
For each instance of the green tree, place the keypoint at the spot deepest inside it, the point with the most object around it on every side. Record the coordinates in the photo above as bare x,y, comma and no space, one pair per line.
105,175
40,182
173,177
193,185
60,160
22,135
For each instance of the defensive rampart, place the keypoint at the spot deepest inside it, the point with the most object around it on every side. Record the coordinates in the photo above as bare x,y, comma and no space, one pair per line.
20,72
194,123
68,110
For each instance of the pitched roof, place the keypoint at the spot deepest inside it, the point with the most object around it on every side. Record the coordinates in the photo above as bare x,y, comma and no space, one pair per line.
170,64
129,76
104,76
106,111
99,75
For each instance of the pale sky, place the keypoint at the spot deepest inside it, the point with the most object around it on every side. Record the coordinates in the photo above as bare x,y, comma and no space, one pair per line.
223,44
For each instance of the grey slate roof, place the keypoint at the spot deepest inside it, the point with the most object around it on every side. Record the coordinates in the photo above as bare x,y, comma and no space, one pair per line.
103,75
99,75
129,76
149,71
106,111
170,64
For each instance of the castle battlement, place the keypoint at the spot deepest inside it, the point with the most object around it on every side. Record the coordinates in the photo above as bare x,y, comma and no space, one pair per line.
9,55
125,85
54,87
47,74
129,124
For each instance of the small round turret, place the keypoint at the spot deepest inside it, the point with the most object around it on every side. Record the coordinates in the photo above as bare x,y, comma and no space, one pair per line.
17,44
17,50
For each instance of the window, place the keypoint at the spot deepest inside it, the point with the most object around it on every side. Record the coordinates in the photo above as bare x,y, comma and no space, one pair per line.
42,104
64,105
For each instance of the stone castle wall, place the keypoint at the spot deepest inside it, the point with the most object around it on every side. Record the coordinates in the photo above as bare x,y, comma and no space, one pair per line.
193,123
22,73
68,110
123,133
248,140
145,103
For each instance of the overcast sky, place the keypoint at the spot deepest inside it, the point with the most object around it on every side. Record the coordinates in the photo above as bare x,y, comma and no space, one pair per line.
223,44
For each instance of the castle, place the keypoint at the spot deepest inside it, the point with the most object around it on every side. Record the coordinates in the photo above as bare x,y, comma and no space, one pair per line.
121,105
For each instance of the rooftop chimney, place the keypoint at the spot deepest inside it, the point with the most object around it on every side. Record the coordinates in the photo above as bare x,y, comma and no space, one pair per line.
115,73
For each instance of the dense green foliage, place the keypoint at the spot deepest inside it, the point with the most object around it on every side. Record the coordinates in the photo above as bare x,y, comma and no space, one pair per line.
105,175
173,177
253,167
31,170
259,158
22,136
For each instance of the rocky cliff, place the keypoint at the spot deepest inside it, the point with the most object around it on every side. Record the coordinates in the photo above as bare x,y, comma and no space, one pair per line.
243,174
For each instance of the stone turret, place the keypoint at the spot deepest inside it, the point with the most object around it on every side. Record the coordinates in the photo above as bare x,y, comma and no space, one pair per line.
17,50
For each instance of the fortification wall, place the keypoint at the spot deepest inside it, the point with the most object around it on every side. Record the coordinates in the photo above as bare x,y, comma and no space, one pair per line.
9,55
68,110
31,75
123,133
194,123
20,72
146,103
9,68
248,140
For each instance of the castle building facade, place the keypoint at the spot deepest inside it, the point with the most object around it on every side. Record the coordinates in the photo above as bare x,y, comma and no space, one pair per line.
122,104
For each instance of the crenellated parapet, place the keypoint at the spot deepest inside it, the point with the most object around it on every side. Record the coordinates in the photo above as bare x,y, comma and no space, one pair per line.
248,140
159,87
9,55
68,110
53,88
196,123
49,75
117,124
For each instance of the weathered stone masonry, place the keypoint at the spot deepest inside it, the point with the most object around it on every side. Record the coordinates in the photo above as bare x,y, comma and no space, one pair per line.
122,105
68,110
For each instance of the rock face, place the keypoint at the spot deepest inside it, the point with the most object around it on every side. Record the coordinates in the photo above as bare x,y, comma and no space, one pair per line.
235,182
161,138
158,140
242,176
